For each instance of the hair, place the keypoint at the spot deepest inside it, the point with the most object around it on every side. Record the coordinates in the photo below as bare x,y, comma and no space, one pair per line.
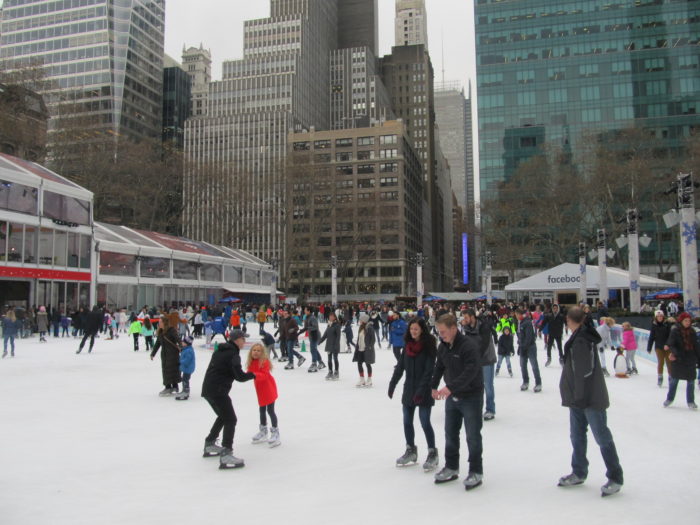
11,315
626,326
265,355
576,314
447,320
426,338
470,312
147,323
610,321
520,311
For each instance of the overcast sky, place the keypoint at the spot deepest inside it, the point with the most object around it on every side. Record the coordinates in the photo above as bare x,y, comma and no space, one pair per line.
218,25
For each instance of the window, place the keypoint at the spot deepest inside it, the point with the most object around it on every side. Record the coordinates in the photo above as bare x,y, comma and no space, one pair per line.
345,156
365,141
389,181
389,167
526,98
588,70
556,73
64,208
622,66
388,153
184,270
389,254
365,155
365,168
389,196
155,267
117,264
590,93
557,96
688,85
345,184
388,139
389,239
343,170
525,77
322,144
233,274
365,196
210,272
343,197
344,226
590,115
302,146
322,157
623,113
365,183
389,225
343,143
18,197
622,90
323,199
658,87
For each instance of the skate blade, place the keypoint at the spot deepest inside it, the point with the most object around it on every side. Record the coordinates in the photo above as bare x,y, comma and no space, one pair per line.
210,455
472,487
403,465
441,481
223,466
273,445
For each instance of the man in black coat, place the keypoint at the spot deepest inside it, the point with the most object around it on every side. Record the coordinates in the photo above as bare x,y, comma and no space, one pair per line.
583,391
224,368
527,350
555,321
93,322
459,361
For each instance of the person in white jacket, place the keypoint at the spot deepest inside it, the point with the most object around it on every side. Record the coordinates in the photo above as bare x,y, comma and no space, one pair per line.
605,331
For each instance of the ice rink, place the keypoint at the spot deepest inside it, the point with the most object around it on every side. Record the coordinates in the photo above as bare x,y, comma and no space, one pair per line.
85,439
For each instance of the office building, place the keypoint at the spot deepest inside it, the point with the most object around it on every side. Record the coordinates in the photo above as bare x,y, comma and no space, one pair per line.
355,195
197,64
358,24
103,60
411,23
177,102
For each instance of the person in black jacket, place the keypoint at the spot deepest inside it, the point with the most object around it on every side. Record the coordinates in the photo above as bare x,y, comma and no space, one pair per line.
527,350
332,338
685,355
658,336
459,361
583,391
418,361
224,368
555,321
92,324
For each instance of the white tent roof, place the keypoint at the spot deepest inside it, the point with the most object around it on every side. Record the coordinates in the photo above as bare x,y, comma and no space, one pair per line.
567,277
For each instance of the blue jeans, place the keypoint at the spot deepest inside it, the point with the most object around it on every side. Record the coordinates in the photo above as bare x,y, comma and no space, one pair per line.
532,357
291,353
424,416
689,390
579,421
186,382
10,338
469,411
489,391
500,360
313,348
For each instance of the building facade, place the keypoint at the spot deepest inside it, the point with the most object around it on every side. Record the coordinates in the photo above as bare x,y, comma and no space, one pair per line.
102,59
177,102
411,23
358,24
197,64
354,194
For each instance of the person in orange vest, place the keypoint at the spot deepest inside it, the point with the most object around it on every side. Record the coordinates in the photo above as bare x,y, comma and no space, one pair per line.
235,320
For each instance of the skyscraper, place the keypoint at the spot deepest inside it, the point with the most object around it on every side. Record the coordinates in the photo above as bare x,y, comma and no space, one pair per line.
358,24
177,102
103,59
196,61
411,23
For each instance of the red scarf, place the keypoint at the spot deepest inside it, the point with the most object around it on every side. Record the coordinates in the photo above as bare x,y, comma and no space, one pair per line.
413,348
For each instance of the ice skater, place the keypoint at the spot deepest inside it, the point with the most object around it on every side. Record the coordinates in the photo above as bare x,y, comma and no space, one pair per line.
259,363
147,333
332,338
10,327
685,354
629,343
135,331
224,368
187,365
505,350
364,352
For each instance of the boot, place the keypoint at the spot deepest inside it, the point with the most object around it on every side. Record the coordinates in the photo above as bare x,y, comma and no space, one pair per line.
274,440
431,462
261,436
227,460
368,383
312,368
410,457
211,449
183,396
361,382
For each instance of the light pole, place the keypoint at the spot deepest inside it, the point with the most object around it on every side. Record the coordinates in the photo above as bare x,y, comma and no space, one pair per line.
582,271
487,274
334,280
633,254
273,286
420,260
602,255
689,258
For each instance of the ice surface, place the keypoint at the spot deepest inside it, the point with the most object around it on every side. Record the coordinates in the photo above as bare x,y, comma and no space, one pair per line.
86,439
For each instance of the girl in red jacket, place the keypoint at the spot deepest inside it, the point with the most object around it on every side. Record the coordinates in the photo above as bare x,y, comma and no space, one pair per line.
259,363
629,343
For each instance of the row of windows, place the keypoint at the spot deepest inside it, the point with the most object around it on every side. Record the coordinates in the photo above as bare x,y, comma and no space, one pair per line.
344,142
23,243
54,32
557,9
347,240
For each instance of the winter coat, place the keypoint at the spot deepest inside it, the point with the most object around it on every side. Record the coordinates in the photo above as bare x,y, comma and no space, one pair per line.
332,338
370,339
686,360
629,342
135,328
292,329
506,322
505,345
419,371
604,333
460,364
487,347
582,384
527,342
223,369
169,356
93,321
397,332
658,335
262,317
42,322
554,323
282,329
146,332
311,326
187,360
265,385
9,327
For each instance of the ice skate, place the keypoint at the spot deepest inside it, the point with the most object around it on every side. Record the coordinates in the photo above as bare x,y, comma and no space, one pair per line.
692,406
313,368
570,480
497,371
510,372
660,381
473,480
228,461
667,403
445,475
4,354
321,365
488,416
329,376
635,371
547,362
211,449
610,488
166,392
301,361
274,440
183,396
524,387
361,383
432,461
538,388
410,457
368,383
606,373
261,436
336,375
289,366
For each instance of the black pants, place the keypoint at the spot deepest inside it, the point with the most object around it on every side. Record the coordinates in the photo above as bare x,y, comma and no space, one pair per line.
333,358
397,352
269,409
149,342
136,342
91,335
550,343
225,418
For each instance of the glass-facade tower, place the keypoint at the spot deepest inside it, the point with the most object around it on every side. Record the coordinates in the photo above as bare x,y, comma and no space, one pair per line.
550,70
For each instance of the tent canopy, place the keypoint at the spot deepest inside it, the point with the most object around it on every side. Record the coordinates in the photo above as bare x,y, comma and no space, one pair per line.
567,277
668,293
468,296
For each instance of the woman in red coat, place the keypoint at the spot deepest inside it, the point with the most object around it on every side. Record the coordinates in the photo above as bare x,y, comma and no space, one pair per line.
259,364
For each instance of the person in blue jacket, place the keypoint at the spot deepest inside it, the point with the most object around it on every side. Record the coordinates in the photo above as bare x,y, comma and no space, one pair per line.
10,327
187,363
397,333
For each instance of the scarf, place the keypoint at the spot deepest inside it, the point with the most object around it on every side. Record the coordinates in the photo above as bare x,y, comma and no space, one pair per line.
413,348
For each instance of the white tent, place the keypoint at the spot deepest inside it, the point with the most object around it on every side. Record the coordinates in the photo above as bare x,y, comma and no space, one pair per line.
567,277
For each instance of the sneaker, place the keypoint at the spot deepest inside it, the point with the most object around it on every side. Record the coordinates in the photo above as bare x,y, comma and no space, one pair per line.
211,449
274,440
473,480
290,366
488,416
301,361
361,382
445,475
227,460
524,387
667,403
166,392
312,369
368,383
692,406
660,381
538,388
610,488
261,436
570,480
431,462
548,362
409,458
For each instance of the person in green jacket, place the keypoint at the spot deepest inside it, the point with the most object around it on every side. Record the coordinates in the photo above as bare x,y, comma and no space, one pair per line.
506,322
135,330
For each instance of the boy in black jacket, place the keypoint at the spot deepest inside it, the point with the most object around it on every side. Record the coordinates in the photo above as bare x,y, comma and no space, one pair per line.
224,368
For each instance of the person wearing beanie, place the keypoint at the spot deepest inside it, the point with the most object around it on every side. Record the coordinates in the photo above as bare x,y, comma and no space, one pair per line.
364,352
658,336
685,356
397,334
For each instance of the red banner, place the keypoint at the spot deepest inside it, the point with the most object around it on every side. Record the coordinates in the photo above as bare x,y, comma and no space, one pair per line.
39,273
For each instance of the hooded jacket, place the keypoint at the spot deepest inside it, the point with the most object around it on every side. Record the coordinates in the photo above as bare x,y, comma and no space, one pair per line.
332,338
224,368
658,335
582,384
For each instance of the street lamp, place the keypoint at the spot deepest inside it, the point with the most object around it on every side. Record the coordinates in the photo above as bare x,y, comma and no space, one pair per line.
487,274
632,242
334,280
273,287
582,271
602,254
420,260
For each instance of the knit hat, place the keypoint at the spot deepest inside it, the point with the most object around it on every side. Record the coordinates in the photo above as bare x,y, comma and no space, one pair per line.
236,334
187,340
683,316
659,312
391,314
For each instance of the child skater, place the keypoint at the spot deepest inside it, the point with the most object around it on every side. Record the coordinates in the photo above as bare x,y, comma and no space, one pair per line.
269,343
186,367
505,350
265,387
147,331
135,331
630,345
